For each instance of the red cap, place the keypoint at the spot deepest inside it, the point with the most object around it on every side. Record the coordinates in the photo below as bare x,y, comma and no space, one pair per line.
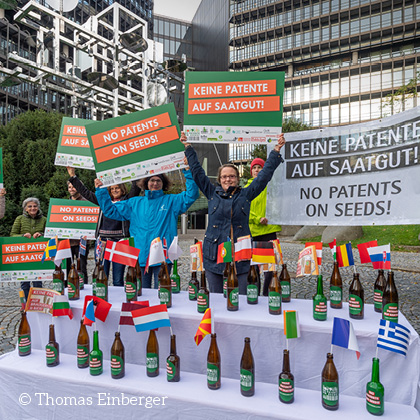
257,161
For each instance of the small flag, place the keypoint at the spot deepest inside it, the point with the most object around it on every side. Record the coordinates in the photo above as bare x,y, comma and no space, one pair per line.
204,328
345,255
380,257
165,249
61,306
102,307
393,337
174,251
291,324
89,314
224,252
98,249
363,251
156,254
121,253
343,335
333,246
263,252
150,318
243,248
82,245
63,252
318,247
277,251
126,318
22,299
50,250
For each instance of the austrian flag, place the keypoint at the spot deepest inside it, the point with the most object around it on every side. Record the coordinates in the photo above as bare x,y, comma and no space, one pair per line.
121,253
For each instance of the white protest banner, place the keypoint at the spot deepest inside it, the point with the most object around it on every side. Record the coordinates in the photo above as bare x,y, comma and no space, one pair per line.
361,174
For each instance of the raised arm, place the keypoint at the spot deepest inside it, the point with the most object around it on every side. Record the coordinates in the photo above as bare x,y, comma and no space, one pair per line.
120,210
80,187
183,201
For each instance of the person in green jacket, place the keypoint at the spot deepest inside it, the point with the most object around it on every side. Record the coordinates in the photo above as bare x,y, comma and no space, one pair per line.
260,229
31,224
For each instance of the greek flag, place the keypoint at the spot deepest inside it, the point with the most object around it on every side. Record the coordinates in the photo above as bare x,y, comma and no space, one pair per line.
393,337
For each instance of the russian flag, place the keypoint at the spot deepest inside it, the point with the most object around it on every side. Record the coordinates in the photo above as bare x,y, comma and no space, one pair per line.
146,319
343,335
380,257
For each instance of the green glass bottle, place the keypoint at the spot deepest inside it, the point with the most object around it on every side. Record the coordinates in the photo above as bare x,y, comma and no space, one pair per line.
95,357
375,391
319,302
175,278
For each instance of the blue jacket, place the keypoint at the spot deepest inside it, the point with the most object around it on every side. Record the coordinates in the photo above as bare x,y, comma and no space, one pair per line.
155,214
222,203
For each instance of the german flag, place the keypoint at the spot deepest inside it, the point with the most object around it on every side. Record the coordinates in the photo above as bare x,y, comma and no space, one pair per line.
204,328
263,252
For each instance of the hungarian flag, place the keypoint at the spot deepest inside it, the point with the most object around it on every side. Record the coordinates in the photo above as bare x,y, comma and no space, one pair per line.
333,246
121,253
101,307
243,248
63,251
363,251
82,245
50,250
204,328
156,253
277,251
345,255
174,251
380,257
126,318
263,252
291,324
89,314
150,318
224,252
318,247
61,306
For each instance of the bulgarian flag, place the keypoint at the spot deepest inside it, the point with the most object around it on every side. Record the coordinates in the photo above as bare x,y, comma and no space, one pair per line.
263,253
61,306
121,253
318,247
363,251
224,252
243,248
204,328
333,246
291,324
63,251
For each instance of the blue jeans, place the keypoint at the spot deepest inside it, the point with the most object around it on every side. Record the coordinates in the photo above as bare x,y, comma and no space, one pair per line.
146,278
117,272
215,282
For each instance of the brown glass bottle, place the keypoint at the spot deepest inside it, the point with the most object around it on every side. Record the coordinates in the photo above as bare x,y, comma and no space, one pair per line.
356,298
173,373
378,291
165,286
117,358
274,295
193,286
152,354
232,289
225,277
80,274
95,277
286,381
58,279
390,300
102,284
203,295
213,365
336,288
24,336
139,280
52,349
329,385
83,347
130,284
252,286
247,370
286,288
73,284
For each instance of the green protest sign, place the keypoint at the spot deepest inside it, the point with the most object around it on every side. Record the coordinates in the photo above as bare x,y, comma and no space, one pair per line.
233,107
21,260
71,219
136,145
73,146
1,168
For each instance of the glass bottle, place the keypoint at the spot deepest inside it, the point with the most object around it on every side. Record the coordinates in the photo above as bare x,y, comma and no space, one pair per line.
95,277
390,300
375,391
225,277
83,347
24,336
80,274
378,291
152,354
203,296
102,284
330,390
175,278
252,286
95,357
286,289
73,284
165,287
58,279
52,349
193,286
274,295
336,288
356,298
232,289
247,370
130,284
286,381
117,358
213,365
173,372
319,302
139,280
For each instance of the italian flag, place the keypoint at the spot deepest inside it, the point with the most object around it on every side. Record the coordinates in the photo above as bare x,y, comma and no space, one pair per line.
291,324
61,306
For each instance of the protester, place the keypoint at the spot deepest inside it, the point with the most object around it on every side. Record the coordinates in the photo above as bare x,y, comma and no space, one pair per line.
30,224
229,207
108,229
260,229
154,215
2,202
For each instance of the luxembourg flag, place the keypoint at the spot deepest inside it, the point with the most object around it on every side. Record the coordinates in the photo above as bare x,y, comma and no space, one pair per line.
380,257
146,319
343,335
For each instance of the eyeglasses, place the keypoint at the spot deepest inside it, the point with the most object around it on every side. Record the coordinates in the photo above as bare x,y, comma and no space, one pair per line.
228,177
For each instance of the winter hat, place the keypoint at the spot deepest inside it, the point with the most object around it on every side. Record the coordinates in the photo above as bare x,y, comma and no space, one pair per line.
257,161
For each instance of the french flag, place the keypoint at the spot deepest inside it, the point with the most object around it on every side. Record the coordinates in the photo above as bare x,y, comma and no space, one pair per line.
343,335
150,318
380,257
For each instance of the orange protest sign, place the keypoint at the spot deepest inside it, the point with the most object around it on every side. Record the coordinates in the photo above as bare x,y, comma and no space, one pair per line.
24,247
74,141
73,218
71,209
21,258
74,130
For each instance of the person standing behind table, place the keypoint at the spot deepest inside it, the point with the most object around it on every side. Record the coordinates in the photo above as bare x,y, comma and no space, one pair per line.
229,206
2,202
258,223
154,215
31,224
108,229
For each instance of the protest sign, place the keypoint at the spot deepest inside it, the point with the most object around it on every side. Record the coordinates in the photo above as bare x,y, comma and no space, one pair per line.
136,145
359,174
40,300
1,168
21,260
233,107
73,146
71,219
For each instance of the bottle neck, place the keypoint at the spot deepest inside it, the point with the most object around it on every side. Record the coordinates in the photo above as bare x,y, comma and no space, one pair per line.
173,344
52,333
175,267
203,280
286,361
95,340
375,369
319,287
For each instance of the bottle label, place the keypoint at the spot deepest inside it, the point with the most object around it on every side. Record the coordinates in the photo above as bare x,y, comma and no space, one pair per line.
225,287
164,295
252,293
330,393
58,285
274,301
24,343
247,380
320,308
117,365
336,295
152,362
374,398
82,355
71,290
95,365
192,291
390,312
202,302
52,354
286,389
285,289
101,290
234,297
170,370
213,373
130,290
175,283
94,287
377,298
355,305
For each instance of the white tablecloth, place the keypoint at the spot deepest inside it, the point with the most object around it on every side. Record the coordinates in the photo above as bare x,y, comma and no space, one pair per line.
399,375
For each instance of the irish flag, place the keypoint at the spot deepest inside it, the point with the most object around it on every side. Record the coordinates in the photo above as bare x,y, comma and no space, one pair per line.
291,324
61,306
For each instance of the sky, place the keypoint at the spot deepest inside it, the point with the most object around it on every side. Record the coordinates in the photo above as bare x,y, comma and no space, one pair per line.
179,9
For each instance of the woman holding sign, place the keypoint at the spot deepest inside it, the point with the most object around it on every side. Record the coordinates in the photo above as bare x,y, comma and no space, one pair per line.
229,207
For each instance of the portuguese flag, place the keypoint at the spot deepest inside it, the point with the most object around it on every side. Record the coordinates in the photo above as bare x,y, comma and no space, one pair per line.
263,253
224,252
61,306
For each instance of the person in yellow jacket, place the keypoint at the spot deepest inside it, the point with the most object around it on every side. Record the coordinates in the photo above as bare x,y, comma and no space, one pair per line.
260,229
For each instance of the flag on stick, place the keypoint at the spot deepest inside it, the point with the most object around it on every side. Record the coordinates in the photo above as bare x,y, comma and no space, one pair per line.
101,307
146,319
61,306
318,247
204,328
307,262
380,257
89,314
63,252
277,251
174,251
126,318
82,245
333,247
343,335
363,251
243,248
291,324
224,252
393,337
50,250
98,249
156,254
263,252
345,255
121,253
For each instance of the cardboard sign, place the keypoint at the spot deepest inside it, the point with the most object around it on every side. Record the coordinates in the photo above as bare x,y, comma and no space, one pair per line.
136,145
73,146
40,300
21,260
233,107
71,219
307,263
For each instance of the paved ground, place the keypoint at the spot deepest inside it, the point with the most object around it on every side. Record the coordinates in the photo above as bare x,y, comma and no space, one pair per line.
406,268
